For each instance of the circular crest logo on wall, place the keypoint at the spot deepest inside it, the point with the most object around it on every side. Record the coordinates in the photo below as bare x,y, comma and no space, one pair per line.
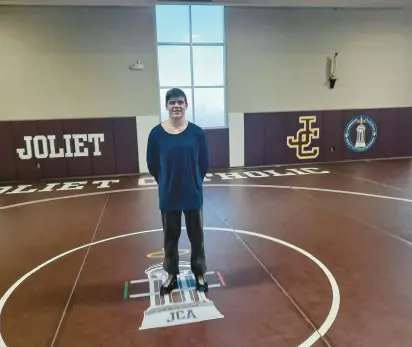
360,133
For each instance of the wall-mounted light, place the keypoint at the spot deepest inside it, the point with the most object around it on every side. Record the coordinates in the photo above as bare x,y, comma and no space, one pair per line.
137,66
333,77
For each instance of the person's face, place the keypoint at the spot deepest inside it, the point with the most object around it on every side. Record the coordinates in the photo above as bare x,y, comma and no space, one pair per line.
177,108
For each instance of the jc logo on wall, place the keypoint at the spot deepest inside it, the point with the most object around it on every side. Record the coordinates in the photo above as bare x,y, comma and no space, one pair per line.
302,142
360,133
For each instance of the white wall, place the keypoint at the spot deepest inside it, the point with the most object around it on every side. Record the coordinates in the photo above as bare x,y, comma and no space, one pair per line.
68,62
277,58
73,62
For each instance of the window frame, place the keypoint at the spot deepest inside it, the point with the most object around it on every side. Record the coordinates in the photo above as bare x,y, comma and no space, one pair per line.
192,44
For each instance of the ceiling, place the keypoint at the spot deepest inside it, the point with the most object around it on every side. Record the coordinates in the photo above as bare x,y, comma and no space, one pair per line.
272,3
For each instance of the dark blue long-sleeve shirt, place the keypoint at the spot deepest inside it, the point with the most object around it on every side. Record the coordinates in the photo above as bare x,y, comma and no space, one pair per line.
179,163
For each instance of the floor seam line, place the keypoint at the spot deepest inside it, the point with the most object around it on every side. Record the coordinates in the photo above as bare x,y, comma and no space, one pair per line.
306,318
378,228
79,273
372,182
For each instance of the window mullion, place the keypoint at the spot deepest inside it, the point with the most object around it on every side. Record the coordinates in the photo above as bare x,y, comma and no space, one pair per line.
191,65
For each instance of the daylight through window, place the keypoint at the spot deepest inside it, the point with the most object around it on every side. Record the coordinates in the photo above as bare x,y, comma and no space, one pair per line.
191,56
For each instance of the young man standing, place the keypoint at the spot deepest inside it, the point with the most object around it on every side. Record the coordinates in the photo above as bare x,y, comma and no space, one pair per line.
178,159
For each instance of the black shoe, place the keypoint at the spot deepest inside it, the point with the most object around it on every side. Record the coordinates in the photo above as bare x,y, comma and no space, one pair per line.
201,284
169,285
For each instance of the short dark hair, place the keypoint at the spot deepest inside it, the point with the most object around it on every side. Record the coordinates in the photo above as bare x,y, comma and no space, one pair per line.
175,93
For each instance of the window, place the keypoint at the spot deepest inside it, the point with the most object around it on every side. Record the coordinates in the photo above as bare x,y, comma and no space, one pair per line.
174,66
191,56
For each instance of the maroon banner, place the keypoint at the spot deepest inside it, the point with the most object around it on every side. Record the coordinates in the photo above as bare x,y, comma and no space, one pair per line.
31,150
324,136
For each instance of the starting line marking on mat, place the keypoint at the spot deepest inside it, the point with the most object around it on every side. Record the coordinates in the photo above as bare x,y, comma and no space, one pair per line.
307,343
129,295
187,306
161,254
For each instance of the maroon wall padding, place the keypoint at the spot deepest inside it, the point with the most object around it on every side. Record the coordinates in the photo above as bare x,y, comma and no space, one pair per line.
218,142
266,137
387,144
272,132
266,134
27,168
78,166
331,138
291,125
256,138
403,132
125,140
119,148
104,164
7,164
51,167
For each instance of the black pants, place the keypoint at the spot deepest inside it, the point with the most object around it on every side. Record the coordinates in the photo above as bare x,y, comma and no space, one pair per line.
172,227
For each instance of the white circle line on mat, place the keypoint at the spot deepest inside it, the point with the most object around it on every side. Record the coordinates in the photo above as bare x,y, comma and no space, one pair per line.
307,343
